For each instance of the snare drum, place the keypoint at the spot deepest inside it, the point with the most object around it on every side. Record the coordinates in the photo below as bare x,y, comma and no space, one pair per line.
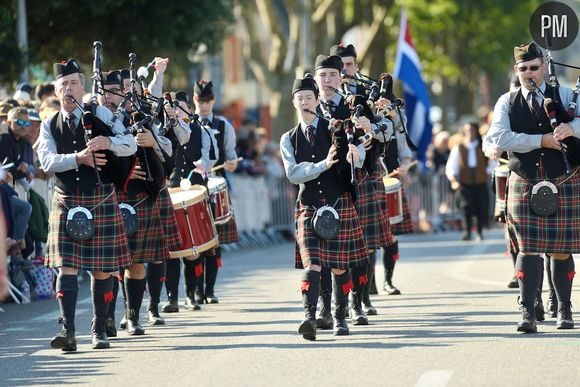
194,220
393,190
220,199
501,174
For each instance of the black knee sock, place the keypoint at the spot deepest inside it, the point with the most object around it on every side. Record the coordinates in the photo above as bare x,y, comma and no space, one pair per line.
172,274
67,290
359,281
341,285
527,274
211,272
548,266
155,279
189,274
135,289
562,277
540,278
326,288
113,303
102,294
390,257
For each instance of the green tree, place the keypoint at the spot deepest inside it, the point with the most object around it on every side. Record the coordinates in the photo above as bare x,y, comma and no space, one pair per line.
60,29
458,41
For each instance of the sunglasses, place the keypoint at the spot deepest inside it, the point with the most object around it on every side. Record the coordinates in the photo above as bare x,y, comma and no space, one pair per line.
523,69
22,122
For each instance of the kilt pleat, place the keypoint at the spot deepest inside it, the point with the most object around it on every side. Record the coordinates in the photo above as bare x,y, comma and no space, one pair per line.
228,232
346,251
557,233
372,216
106,251
147,244
168,221
406,226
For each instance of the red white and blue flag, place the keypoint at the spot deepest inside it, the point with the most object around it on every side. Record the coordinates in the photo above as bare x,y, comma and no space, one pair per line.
408,71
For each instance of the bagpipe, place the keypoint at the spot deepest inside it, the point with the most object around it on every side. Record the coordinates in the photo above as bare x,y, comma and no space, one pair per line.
375,91
117,168
556,112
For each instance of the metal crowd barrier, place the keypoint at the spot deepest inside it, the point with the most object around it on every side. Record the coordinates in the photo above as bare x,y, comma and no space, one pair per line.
262,204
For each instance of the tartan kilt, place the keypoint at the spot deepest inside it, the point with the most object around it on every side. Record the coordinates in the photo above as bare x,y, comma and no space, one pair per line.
228,232
346,251
147,244
372,217
106,251
557,233
168,221
406,226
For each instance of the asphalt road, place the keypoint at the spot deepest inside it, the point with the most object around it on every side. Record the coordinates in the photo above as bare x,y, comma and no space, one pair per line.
454,325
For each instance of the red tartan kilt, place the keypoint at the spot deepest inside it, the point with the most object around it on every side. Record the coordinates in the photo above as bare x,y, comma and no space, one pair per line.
373,218
147,244
347,250
557,233
168,221
228,232
106,251
406,226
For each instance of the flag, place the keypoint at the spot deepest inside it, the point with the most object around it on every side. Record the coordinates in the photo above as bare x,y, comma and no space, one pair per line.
408,71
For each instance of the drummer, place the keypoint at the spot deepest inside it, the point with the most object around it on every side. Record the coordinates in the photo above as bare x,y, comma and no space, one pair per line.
192,160
225,135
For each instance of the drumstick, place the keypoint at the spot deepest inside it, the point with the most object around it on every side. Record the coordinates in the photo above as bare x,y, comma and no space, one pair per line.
218,167
406,168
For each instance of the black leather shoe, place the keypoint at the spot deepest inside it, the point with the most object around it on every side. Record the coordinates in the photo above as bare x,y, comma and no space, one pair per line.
153,315
133,326
390,289
324,320
370,310
199,297
565,320
340,328
308,329
539,308
527,326
211,299
65,342
552,304
191,304
359,318
111,328
100,340
171,307
513,284
528,323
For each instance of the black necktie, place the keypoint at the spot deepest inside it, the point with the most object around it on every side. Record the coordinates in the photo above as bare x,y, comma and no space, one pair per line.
535,106
70,121
310,134
205,122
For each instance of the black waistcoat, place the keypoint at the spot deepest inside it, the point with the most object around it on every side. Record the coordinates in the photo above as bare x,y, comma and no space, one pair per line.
83,178
186,155
328,185
391,157
522,120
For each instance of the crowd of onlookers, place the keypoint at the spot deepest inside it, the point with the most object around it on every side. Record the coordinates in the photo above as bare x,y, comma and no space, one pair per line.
24,186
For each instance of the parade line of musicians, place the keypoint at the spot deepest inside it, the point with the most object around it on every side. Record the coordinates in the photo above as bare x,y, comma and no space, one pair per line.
140,187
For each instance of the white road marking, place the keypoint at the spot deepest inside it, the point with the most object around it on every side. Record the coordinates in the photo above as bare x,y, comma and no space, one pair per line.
435,378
